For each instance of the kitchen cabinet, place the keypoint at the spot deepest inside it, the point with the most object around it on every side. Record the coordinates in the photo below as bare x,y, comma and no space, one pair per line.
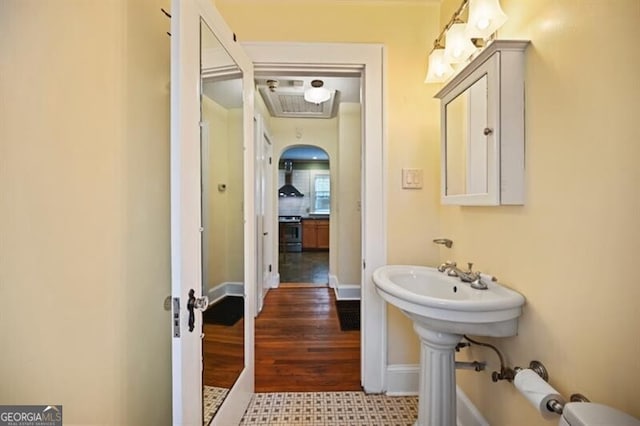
315,234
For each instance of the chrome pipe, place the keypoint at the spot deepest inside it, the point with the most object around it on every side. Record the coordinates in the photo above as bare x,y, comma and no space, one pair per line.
472,365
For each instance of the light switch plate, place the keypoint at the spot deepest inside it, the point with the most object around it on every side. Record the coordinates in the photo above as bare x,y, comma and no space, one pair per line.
411,178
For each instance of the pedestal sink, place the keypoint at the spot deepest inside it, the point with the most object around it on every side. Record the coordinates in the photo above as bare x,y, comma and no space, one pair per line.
443,309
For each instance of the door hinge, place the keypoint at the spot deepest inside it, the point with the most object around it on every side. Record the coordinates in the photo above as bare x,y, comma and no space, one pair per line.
176,317
269,160
269,268
364,264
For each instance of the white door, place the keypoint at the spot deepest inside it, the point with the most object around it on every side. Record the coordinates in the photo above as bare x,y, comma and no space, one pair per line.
189,19
264,219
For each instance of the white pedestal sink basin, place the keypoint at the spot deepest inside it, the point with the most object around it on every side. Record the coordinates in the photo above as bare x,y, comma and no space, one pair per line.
444,308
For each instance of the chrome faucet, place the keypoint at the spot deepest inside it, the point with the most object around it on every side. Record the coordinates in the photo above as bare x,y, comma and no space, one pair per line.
469,276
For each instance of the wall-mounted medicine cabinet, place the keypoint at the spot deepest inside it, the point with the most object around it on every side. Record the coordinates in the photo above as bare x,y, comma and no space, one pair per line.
482,122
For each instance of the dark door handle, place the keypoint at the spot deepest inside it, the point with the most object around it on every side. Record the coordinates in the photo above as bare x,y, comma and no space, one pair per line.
191,304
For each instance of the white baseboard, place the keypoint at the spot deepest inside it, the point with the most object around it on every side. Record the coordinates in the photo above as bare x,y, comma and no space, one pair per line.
344,291
333,281
274,280
225,289
403,379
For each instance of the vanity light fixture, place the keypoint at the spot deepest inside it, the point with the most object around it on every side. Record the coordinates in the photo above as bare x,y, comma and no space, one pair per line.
317,94
459,46
462,40
485,17
439,68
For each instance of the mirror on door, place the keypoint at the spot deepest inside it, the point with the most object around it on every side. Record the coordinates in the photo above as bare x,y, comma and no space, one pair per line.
221,145
466,142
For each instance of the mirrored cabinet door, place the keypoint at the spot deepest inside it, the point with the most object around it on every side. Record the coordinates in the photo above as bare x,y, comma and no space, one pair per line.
482,135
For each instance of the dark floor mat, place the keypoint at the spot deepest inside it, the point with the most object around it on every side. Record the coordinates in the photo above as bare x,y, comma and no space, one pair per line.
225,312
348,314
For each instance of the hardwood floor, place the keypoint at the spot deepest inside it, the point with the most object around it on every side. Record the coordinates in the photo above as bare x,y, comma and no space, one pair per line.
299,345
222,354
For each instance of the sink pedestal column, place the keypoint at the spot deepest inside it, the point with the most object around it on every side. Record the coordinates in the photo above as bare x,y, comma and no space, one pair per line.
437,399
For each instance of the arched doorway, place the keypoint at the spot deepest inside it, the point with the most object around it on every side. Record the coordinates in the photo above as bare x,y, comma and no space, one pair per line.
304,211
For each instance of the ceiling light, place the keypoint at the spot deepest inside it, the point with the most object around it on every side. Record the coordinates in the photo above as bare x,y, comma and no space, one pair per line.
439,68
317,94
485,17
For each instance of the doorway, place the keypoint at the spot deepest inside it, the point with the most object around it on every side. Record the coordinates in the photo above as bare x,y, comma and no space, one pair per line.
318,169
304,212
368,61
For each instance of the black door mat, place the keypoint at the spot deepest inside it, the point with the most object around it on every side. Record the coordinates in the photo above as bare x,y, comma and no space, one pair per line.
348,314
225,312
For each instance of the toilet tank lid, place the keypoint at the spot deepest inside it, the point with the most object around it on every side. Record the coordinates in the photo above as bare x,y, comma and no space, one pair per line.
592,414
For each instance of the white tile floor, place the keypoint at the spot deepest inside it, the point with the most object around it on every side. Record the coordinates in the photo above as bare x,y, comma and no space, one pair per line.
330,409
212,399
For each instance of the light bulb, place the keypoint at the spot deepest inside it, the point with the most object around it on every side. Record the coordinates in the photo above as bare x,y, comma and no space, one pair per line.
485,18
458,45
439,69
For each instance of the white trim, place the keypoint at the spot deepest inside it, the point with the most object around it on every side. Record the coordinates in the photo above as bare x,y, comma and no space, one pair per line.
344,291
225,289
370,61
403,379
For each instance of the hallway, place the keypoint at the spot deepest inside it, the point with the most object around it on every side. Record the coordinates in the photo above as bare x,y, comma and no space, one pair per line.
300,347
304,267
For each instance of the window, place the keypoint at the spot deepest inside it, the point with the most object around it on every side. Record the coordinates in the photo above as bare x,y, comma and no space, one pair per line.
321,194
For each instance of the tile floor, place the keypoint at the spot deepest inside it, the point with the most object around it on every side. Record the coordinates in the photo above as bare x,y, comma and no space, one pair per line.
330,409
212,399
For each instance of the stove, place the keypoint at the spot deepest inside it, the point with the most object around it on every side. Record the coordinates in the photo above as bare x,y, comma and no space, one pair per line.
289,219
290,233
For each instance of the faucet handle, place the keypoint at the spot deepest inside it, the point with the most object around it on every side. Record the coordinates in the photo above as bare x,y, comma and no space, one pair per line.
470,265
446,265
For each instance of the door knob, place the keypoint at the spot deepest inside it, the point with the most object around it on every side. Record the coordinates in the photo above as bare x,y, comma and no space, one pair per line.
200,303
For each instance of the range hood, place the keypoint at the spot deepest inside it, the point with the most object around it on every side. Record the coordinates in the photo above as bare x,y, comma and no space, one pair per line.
288,190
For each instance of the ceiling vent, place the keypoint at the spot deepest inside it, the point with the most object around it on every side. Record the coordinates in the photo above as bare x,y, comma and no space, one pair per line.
288,102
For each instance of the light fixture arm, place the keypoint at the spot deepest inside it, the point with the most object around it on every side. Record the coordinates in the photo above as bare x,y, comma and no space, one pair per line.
437,43
463,39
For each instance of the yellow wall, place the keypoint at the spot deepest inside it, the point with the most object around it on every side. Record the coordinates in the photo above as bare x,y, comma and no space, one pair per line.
579,223
407,30
84,201
347,194
84,209
224,262
572,250
216,234
235,217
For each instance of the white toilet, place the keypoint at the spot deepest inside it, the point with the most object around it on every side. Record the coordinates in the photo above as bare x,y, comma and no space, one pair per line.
592,414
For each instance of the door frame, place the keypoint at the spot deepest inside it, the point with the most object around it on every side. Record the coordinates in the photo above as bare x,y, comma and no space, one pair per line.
265,231
186,272
369,60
